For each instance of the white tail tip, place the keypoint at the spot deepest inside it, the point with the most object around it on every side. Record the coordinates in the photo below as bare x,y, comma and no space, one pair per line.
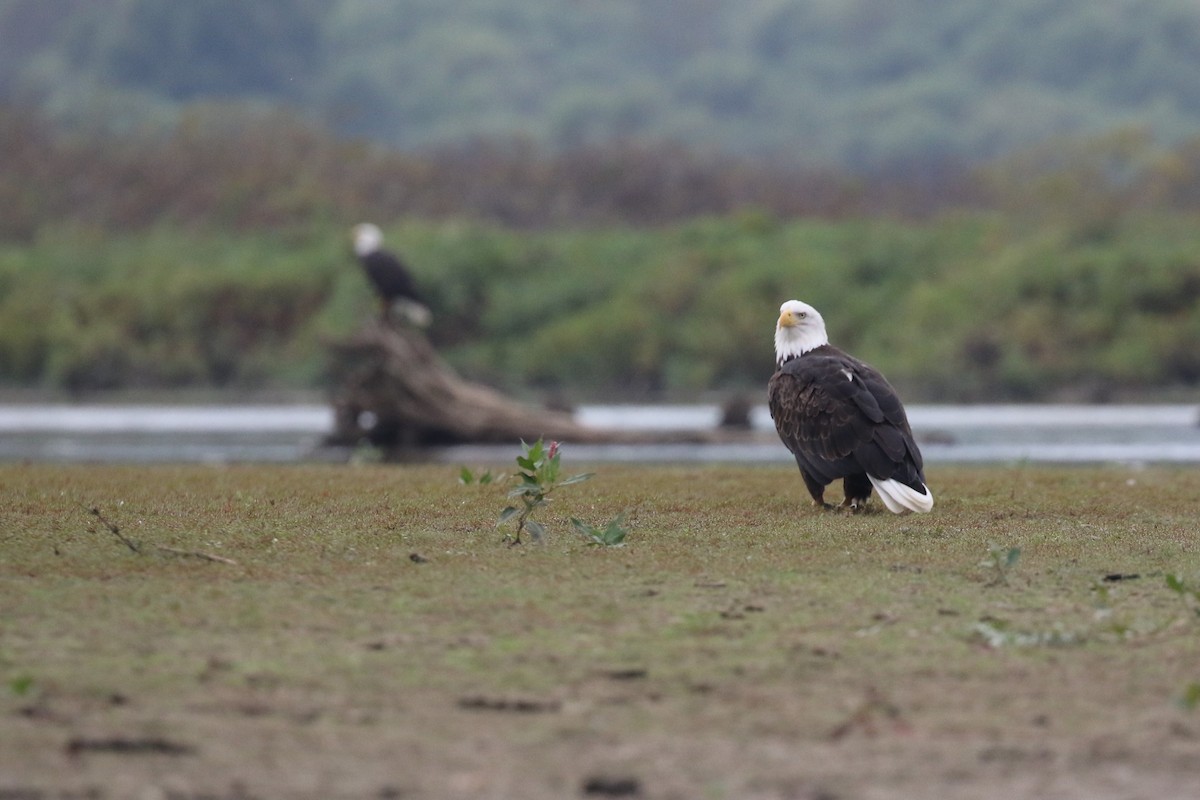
900,499
416,314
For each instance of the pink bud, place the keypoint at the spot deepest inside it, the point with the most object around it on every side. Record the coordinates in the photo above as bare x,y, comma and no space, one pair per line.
553,450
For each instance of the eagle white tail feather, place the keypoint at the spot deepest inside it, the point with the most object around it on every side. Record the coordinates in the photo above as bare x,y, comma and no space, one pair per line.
900,498
414,312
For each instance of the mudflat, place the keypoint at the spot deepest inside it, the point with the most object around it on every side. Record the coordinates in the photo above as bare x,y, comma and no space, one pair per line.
338,631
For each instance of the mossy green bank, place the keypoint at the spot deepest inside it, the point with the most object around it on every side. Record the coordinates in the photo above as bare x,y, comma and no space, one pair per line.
966,308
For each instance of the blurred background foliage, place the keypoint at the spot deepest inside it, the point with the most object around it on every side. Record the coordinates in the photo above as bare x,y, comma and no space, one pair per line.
605,200
854,84
217,256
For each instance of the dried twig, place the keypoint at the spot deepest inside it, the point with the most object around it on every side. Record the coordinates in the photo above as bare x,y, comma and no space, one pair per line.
125,540
136,547
195,554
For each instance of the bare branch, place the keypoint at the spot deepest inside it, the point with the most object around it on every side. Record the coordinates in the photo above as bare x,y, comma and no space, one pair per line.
114,530
195,554
137,548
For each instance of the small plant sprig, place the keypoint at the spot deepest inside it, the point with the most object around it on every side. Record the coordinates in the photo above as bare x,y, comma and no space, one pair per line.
1188,594
537,476
611,535
467,478
997,633
1001,561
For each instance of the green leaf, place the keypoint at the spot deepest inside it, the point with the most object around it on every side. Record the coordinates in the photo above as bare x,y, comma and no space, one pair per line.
536,529
526,491
506,515
1174,584
614,534
465,477
580,478
1012,557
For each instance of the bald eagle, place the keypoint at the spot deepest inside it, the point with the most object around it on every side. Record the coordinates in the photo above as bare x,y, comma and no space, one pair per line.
840,418
391,279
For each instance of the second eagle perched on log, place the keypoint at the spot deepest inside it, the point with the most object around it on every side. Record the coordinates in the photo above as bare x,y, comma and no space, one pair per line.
840,418
391,279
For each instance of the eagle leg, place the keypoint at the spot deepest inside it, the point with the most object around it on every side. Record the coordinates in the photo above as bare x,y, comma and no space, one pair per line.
858,491
816,490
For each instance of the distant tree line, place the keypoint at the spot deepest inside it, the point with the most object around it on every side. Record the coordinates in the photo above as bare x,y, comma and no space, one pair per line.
857,84
240,169
243,169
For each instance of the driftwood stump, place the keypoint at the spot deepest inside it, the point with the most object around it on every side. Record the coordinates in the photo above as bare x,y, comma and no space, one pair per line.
394,391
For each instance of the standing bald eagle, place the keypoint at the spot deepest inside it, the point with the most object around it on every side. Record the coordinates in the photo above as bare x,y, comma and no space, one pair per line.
392,281
840,418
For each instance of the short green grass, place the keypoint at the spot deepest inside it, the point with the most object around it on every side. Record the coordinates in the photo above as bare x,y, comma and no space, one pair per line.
374,636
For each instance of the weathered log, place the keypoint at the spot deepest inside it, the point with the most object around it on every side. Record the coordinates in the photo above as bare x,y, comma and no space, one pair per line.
394,391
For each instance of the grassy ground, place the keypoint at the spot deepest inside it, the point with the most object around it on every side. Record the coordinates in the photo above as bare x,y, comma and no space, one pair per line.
373,638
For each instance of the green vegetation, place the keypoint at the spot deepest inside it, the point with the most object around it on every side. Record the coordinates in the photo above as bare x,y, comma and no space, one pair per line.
611,535
964,308
468,477
1001,560
85,311
215,255
1187,592
918,82
537,477
368,634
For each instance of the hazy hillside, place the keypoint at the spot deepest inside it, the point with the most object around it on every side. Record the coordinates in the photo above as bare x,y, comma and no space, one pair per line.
853,82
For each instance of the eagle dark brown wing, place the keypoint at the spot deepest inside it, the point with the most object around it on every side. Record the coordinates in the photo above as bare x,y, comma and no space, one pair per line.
840,417
391,278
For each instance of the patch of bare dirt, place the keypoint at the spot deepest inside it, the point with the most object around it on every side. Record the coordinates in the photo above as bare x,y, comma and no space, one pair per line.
610,737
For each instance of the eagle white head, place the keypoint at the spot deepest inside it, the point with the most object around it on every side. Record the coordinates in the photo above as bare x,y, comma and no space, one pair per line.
367,239
800,328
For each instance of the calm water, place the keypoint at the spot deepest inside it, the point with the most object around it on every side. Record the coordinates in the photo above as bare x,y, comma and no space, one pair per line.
220,434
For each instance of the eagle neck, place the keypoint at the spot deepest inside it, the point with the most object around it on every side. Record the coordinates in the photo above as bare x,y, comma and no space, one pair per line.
789,346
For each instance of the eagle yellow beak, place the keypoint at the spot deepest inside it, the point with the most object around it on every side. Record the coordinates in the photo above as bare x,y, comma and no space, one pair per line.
787,320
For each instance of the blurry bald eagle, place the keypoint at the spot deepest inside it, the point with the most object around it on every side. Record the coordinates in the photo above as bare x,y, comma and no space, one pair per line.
841,419
391,279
